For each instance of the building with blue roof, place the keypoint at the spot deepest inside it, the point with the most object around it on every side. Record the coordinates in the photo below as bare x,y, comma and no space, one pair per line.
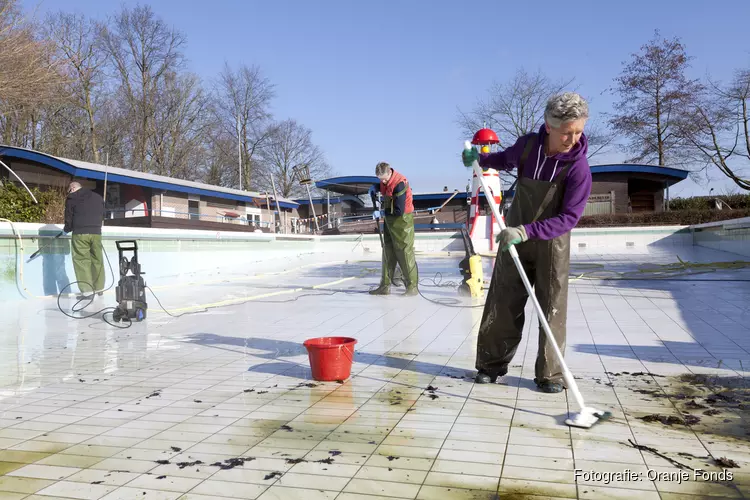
148,200
627,187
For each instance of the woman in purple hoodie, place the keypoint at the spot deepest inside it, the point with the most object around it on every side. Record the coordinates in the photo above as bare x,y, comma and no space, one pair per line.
554,183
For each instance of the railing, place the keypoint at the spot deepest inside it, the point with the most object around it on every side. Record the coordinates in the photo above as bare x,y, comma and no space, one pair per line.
349,223
241,219
289,225
423,221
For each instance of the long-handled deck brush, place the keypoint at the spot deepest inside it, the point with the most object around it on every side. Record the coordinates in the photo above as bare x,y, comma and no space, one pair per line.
587,416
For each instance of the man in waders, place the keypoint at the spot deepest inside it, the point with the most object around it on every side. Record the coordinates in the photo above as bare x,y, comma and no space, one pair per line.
554,183
84,215
398,234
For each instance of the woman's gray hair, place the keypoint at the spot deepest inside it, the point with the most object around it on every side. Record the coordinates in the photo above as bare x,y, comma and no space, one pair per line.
565,107
382,168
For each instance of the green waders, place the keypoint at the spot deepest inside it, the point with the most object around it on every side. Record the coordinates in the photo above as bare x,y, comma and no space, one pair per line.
398,248
87,262
546,263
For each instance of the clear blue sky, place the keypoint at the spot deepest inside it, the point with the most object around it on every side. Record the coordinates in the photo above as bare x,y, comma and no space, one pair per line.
381,80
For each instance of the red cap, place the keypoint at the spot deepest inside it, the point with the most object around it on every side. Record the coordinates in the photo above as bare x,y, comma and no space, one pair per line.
485,136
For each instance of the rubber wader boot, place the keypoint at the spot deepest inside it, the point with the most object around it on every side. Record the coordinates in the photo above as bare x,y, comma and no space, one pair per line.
411,291
486,378
397,280
547,386
381,290
483,378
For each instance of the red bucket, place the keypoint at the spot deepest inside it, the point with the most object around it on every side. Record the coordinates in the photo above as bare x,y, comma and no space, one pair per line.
330,357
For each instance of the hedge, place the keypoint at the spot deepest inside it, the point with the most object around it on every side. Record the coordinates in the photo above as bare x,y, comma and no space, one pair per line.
671,218
736,201
17,205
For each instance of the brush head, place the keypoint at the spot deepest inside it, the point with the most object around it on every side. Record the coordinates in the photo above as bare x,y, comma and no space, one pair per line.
588,417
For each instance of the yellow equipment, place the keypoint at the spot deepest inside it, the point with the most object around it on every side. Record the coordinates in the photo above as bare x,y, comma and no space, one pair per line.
475,281
471,269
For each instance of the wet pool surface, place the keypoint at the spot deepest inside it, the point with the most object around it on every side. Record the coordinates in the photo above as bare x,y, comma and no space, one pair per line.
217,400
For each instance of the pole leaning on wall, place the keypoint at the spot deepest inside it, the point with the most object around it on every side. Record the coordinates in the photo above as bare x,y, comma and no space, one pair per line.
302,174
276,197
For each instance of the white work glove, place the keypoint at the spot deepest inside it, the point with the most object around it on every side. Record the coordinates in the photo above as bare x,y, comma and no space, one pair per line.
377,214
511,236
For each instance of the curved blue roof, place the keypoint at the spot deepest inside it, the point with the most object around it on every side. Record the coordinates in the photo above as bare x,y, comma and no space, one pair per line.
672,174
349,184
93,171
349,179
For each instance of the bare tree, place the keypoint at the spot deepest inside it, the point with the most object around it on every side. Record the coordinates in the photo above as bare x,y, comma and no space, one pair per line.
143,49
180,126
290,145
29,79
114,131
214,168
62,130
515,108
600,138
220,166
242,100
716,128
27,73
77,42
654,95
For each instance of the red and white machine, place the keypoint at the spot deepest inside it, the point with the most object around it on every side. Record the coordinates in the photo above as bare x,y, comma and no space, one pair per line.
483,228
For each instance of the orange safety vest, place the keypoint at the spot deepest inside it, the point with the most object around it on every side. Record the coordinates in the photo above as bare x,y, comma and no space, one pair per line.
386,189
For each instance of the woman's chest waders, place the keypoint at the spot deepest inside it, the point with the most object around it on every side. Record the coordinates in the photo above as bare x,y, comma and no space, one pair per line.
546,264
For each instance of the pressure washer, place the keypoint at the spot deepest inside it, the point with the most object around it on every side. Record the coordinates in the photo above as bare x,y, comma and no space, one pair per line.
130,292
471,269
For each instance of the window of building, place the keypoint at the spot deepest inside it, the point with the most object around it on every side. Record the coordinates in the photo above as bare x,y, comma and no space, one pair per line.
252,215
194,210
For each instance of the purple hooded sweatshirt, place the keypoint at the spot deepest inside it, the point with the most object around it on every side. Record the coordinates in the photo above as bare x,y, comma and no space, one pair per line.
576,185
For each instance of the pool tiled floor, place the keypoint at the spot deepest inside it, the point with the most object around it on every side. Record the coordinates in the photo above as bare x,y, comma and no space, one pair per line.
219,402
